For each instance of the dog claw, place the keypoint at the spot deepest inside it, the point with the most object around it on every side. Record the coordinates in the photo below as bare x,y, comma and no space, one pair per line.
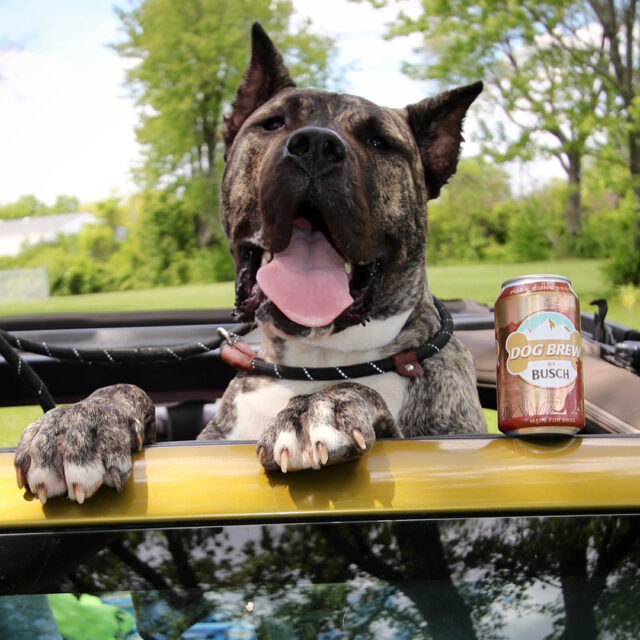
116,479
323,452
139,441
78,493
284,460
356,434
20,477
262,456
41,493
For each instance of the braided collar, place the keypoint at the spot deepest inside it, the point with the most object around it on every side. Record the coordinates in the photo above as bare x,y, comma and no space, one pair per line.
406,363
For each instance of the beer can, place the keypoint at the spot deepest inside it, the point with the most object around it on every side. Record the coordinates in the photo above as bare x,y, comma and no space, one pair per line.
539,354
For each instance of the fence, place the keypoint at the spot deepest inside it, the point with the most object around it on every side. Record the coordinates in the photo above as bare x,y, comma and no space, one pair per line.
24,284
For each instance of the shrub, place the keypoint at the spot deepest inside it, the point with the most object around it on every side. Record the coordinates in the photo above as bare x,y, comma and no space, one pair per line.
624,266
603,232
469,219
529,239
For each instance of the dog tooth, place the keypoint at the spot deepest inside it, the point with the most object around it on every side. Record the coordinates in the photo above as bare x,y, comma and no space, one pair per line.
359,438
347,268
266,258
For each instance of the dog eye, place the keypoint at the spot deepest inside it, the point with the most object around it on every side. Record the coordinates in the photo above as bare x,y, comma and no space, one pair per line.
272,124
378,142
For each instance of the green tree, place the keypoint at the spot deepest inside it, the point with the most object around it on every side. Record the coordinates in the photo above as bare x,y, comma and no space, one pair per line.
29,205
540,100
189,60
536,229
469,220
65,204
23,207
112,212
568,68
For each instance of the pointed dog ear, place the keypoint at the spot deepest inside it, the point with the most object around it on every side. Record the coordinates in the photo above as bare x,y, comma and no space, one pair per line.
436,124
267,75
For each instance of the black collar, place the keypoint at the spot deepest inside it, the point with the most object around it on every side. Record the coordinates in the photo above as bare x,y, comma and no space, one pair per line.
406,363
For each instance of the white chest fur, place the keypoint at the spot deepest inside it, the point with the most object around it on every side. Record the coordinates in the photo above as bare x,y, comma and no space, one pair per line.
256,409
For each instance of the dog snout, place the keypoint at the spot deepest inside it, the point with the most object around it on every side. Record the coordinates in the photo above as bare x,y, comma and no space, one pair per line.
316,150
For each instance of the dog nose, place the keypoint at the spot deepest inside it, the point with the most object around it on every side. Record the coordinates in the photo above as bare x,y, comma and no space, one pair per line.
316,149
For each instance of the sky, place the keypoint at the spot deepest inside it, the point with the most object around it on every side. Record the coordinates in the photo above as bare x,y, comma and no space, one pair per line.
67,122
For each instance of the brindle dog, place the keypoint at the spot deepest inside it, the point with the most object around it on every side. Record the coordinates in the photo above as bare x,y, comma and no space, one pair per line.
323,201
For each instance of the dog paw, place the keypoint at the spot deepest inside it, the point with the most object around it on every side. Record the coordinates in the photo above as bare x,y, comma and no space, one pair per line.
330,426
76,449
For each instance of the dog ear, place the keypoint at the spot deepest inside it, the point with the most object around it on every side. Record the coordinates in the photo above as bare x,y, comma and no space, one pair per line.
436,124
267,75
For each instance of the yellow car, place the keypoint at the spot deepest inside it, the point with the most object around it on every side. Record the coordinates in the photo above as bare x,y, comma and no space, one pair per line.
443,538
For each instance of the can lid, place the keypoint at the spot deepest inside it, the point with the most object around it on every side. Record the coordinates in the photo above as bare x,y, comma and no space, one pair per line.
535,277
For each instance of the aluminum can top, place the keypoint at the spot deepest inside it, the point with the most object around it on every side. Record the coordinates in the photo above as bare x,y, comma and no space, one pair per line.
534,277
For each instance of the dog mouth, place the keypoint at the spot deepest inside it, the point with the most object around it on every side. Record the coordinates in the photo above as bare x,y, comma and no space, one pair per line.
309,284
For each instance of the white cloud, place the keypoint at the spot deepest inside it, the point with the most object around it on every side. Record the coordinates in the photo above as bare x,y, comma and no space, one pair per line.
64,130
374,65
68,127
67,124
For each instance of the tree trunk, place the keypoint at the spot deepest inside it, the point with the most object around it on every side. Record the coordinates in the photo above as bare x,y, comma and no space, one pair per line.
577,594
434,592
208,137
573,206
634,166
204,235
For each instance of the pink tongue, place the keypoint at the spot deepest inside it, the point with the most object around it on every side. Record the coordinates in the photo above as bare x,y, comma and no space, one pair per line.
307,280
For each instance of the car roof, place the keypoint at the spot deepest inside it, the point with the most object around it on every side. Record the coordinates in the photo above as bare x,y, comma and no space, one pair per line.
451,476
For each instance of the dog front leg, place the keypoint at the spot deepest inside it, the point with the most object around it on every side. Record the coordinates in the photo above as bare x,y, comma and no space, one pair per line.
76,449
333,425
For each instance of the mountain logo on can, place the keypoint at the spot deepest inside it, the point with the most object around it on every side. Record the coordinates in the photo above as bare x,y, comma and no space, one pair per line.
545,350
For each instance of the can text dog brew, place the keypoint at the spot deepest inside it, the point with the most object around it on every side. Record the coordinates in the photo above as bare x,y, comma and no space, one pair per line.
539,349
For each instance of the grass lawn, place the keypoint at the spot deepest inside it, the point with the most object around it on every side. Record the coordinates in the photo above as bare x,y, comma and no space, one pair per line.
195,296
12,422
480,282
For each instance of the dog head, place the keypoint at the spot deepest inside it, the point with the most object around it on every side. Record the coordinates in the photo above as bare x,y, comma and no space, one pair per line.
324,195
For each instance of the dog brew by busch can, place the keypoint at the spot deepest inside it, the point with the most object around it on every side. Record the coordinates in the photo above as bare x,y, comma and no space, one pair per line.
539,349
